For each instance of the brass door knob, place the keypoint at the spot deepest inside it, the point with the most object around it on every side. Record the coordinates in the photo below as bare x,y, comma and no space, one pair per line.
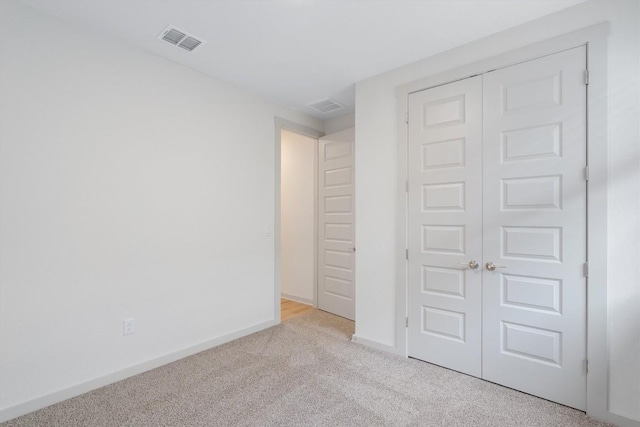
491,266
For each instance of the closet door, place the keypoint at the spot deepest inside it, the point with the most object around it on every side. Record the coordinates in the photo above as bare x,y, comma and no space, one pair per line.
444,225
534,196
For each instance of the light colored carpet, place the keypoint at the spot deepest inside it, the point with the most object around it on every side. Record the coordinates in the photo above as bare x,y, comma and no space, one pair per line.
304,372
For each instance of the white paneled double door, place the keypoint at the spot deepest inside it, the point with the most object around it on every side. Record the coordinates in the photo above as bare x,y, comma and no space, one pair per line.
497,226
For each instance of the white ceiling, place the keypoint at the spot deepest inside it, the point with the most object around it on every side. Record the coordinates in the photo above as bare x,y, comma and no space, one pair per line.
296,52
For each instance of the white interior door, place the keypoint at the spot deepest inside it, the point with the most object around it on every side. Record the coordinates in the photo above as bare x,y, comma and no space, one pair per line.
445,229
336,231
497,175
534,320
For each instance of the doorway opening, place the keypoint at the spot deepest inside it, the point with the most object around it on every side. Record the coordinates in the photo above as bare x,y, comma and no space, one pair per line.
314,221
298,223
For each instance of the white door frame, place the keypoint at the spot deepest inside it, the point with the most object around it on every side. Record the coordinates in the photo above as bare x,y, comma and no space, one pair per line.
280,125
595,39
331,304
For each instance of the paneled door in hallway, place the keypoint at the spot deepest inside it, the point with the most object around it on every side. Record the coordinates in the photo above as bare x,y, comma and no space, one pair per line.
336,231
497,226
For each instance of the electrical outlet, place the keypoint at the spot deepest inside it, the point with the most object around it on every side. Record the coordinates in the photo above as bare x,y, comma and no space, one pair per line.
128,326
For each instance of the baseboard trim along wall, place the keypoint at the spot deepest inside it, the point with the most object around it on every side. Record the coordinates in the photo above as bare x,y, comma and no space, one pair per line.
93,384
297,299
621,420
375,345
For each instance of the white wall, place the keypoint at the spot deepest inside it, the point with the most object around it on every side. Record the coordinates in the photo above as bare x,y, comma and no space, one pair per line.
378,177
297,229
129,187
341,123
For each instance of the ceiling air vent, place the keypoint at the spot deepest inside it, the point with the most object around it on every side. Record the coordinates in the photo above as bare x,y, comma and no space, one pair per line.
326,106
180,38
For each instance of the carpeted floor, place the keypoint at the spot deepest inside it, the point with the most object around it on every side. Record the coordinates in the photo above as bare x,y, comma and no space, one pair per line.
304,372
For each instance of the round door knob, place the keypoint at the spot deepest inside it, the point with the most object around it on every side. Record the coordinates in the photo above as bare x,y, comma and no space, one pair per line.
473,264
491,266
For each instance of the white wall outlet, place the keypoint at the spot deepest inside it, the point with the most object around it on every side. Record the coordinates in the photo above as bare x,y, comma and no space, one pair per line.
128,326
268,231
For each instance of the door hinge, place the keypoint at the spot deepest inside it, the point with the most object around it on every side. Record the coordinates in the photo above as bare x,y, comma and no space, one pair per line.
586,173
586,77
406,186
585,366
406,322
585,269
406,254
406,117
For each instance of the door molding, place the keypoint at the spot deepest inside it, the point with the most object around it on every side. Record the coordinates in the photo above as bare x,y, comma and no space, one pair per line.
281,124
595,40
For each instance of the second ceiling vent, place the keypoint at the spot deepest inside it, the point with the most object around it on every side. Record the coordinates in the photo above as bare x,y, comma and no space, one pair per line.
326,106
180,38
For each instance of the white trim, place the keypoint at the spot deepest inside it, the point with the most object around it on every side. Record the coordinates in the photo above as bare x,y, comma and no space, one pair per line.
279,125
402,218
597,203
316,218
295,298
622,421
375,345
95,383
595,38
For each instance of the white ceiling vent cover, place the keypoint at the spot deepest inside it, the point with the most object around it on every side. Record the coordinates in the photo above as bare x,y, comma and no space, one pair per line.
326,106
180,38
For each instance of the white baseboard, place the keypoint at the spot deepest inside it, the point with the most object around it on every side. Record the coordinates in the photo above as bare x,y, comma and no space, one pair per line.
95,383
622,421
297,299
375,345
